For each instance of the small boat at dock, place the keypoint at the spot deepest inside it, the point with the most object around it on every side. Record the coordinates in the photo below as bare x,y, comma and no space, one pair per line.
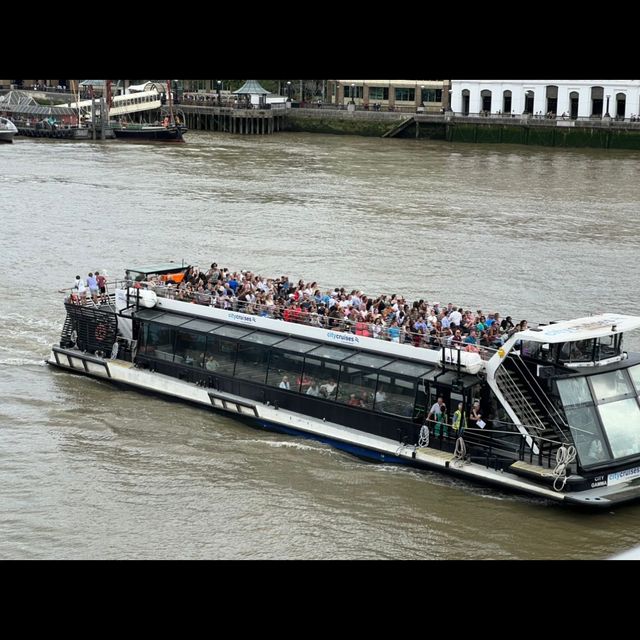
7,130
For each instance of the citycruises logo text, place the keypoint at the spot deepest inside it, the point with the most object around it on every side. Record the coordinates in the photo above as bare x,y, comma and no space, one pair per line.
343,337
241,316
623,476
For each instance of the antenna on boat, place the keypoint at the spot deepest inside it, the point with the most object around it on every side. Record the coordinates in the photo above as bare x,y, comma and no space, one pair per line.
172,118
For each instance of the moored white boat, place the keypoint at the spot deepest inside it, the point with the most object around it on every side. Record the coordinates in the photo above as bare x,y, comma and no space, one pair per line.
7,130
560,402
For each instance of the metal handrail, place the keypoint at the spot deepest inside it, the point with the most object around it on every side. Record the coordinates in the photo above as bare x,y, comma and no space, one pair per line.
540,394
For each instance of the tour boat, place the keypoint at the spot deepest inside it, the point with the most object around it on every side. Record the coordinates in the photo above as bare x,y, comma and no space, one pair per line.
559,402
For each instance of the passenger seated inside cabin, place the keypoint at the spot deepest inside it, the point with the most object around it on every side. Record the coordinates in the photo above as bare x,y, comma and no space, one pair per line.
210,364
303,382
284,383
314,389
328,388
354,401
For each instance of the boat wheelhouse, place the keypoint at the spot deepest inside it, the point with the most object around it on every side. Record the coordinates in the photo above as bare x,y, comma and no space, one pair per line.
560,401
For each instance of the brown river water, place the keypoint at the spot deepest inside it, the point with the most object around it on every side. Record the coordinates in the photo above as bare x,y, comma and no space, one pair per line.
91,471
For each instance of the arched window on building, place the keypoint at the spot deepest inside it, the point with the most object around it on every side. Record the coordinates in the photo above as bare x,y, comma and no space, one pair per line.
506,102
552,99
573,102
621,105
465,102
485,96
528,101
597,97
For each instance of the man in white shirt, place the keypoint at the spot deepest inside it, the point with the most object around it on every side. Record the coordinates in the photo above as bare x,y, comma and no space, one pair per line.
80,288
284,384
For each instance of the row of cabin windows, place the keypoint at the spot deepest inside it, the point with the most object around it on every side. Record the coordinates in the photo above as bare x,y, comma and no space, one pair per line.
357,386
401,94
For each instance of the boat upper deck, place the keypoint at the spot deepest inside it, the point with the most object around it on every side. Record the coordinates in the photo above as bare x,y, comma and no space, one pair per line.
582,328
456,335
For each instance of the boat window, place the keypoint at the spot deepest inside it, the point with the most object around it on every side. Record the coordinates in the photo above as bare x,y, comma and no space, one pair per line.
578,351
259,337
395,395
170,319
189,348
635,376
408,368
608,346
621,421
331,353
285,365
610,385
318,372
532,349
574,391
201,325
229,331
587,435
148,314
220,355
369,360
252,362
159,342
293,344
357,386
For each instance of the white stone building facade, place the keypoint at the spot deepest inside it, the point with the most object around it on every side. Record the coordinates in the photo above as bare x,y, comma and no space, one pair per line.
574,98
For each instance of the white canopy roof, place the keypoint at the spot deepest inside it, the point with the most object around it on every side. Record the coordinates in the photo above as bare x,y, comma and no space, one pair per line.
582,328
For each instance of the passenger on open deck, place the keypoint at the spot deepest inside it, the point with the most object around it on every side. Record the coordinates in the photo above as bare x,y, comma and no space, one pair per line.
383,317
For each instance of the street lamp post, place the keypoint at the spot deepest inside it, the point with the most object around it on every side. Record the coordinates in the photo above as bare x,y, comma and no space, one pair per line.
606,115
218,89
288,90
353,92
422,95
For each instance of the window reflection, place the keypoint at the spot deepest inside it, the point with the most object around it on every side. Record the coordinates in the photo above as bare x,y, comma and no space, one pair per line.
621,421
587,435
610,385
574,391
635,376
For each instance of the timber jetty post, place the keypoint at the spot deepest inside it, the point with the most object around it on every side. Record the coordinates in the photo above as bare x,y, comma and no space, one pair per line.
234,120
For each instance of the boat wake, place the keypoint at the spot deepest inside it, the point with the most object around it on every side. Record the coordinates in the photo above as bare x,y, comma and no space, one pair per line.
28,340
279,444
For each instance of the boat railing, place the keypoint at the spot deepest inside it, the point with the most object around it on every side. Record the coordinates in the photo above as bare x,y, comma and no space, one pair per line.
495,445
344,325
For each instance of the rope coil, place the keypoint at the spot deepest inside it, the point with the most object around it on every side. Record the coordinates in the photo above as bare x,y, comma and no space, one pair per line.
423,440
460,452
564,457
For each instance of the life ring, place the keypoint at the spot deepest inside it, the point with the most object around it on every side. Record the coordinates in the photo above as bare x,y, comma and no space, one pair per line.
101,332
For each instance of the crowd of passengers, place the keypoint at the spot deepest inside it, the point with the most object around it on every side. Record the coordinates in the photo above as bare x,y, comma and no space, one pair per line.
387,317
